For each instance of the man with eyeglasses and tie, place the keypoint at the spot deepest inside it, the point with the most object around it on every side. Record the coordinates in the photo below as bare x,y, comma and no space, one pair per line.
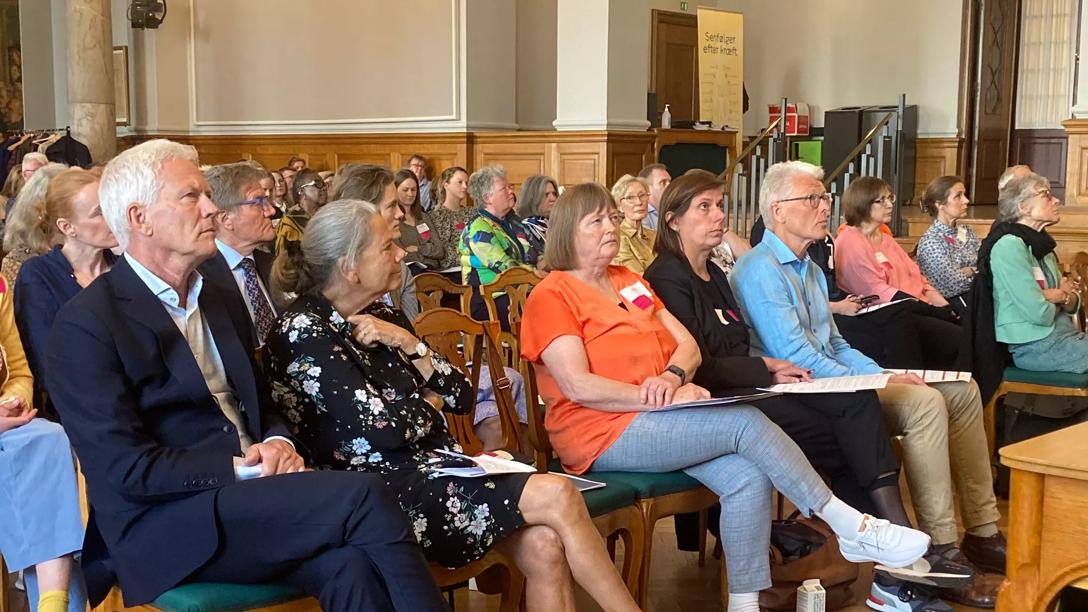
784,296
240,269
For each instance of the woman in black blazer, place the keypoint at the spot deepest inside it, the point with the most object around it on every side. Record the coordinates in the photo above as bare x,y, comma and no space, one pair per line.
841,434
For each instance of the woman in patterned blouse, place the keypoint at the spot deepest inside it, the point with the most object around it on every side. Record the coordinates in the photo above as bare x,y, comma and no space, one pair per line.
948,251
450,213
364,393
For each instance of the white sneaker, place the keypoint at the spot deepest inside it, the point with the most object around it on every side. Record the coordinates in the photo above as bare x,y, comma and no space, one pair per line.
882,542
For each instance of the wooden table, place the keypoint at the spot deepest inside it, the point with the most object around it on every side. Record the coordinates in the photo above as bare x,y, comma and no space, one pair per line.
728,138
1048,518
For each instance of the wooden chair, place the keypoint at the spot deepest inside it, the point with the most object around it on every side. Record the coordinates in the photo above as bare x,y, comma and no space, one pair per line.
458,337
435,291
1016,380
659,495
516,283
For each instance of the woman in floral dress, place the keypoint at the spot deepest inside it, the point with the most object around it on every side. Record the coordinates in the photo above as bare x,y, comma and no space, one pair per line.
362,392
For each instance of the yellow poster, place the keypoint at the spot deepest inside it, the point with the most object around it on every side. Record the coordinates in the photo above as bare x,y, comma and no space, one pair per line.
721,67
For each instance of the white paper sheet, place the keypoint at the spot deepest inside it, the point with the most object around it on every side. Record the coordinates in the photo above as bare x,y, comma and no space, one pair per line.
876,307
834,384
936,376
719,401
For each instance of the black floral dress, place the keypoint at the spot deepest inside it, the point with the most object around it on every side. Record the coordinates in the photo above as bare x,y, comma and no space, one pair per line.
362,409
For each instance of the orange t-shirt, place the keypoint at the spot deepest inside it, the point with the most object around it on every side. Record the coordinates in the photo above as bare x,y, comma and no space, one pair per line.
626,343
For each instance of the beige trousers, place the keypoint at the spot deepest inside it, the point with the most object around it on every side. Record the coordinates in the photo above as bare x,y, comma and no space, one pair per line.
944,444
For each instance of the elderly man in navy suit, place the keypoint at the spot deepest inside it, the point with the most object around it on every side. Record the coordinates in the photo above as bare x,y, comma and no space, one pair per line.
239,269
190,475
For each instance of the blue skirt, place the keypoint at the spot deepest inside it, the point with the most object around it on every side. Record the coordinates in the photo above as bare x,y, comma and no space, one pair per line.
39,504
1064,350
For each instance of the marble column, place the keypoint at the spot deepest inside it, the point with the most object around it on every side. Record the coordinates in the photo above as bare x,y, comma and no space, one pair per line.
91,110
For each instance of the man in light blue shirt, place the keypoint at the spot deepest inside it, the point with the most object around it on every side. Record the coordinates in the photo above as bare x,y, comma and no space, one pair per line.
784,296
418,165
657,175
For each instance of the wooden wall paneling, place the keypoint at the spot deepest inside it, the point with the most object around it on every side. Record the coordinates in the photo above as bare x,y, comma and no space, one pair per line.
1076,165
935,157
993,117
1045,151
576,163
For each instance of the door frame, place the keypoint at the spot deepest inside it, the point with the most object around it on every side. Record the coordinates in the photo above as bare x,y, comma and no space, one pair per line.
657,17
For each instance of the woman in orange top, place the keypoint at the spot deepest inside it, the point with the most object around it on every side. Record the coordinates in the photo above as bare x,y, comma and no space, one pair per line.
612,358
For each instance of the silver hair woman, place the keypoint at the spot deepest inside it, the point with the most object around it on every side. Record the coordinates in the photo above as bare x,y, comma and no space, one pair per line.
26,233
535,201
364,393
1031,298
632,196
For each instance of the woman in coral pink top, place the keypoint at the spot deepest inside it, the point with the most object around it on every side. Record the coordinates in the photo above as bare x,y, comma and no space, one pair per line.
611,359
870,262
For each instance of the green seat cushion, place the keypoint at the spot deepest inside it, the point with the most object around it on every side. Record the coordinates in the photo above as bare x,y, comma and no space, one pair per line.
1052,379
613,496
217,597
650,484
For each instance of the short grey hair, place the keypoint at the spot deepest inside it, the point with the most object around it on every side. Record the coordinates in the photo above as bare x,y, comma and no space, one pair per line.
777,181
35,156
1016,192
625,181
482,182
532,193
339,229
133,178
228,181
1009,174
25,229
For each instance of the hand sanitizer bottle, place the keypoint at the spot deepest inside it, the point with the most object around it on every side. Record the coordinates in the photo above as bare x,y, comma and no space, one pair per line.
666,118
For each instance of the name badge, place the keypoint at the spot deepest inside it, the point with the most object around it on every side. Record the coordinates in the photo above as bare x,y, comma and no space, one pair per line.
961,233
721,316
1040,278
423,230
882,259
638,295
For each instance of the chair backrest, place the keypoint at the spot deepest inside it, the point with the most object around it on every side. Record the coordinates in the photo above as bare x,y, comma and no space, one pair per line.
436,291
1079,272
516,283
538,434
458,337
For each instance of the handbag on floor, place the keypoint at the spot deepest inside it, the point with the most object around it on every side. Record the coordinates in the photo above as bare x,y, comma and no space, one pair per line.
802,549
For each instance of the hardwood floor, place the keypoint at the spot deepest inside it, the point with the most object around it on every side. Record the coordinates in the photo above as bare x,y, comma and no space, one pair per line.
677,584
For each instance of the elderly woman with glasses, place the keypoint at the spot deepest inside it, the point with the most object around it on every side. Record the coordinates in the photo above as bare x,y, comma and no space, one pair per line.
1032,301
309,192
632,196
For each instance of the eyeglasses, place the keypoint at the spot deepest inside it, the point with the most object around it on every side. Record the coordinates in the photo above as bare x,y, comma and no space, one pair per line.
260,201
887,200
813,199
641,197
319,185
1046,193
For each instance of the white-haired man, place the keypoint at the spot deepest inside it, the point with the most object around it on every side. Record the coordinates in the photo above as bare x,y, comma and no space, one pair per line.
190,473
784,295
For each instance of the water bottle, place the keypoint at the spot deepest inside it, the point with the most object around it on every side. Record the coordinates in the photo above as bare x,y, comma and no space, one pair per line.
666,118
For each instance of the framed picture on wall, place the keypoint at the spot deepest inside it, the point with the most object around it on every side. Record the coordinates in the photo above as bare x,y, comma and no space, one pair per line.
120,84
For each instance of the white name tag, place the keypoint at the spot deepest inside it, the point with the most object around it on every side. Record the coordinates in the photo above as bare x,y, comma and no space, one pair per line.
721,316
638,295
961,233
882,259
422,227
1040,278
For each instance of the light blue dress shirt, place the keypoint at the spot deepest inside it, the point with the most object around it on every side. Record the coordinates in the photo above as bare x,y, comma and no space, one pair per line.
650,220
785,300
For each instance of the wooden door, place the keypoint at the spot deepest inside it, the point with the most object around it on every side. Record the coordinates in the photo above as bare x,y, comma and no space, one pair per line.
674,64
998,31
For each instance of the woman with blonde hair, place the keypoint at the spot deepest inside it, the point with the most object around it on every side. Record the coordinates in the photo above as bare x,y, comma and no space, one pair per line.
25,233
82,253
450,214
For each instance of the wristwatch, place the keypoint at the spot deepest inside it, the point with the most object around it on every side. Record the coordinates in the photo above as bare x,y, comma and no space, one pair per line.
680,373
421,350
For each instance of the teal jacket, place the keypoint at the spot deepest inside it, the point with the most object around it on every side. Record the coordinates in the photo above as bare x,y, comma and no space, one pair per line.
1021,313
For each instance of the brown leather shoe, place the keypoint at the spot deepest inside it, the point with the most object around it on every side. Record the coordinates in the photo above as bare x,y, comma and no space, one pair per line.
980,593
987,553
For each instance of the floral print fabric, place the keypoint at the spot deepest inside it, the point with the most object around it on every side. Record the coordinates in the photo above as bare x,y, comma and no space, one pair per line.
362,409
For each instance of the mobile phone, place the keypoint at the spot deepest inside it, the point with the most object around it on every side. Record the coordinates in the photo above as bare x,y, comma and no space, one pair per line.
868,299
